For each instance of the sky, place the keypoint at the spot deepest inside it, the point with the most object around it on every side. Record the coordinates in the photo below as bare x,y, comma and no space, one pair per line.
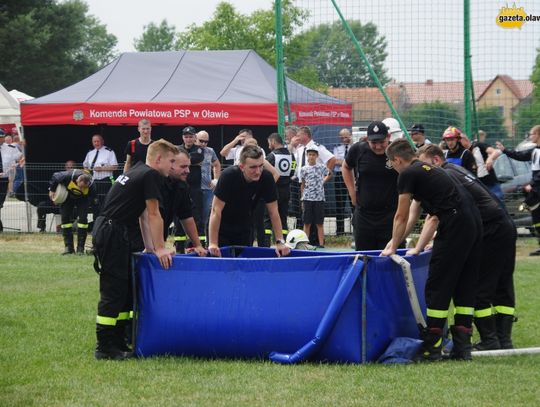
424,37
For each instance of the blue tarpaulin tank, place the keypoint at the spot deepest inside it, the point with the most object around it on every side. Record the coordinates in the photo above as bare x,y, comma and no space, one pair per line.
324,306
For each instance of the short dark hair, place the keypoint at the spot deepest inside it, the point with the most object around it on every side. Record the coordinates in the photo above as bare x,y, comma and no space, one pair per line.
276,137
248,131
431,150
400,148
250,151
305,129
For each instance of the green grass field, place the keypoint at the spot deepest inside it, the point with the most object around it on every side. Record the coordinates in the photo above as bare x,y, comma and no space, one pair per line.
48,305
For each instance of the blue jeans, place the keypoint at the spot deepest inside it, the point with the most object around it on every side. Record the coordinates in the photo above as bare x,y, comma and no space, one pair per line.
208,195
497,191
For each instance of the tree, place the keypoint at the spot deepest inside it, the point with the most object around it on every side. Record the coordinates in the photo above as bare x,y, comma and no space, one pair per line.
435,116
528,113
47,45
157,38
230,30
328,49
491,121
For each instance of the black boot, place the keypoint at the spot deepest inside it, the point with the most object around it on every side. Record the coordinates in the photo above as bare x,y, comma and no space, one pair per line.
41,225
432,346
504,330
107,344
488,334
68,241
81,240
461,336
123,335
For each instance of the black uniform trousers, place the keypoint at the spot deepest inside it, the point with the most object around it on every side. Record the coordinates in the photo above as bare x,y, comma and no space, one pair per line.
180,237
112,250
453,268
536,222
342,197
495,278
102,188
3,193
295,206
75,206
370,237
284,196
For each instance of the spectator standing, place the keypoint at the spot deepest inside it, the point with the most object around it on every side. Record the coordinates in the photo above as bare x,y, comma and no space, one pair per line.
373,192
9,156
101,162
532,190
314,176
418,135
281,159
136,149
232,150
340,189
209,166
78,184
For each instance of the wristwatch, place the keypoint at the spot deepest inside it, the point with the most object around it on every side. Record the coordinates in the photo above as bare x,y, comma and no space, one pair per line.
280,242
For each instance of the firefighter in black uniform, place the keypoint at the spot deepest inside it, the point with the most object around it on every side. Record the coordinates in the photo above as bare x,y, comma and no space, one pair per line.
196,155
495,280
177,203
134,195
237,192
80,192
374,196
453,267
456,153
281,159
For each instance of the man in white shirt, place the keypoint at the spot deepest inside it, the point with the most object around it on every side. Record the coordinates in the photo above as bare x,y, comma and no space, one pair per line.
9,156
101,162
340,189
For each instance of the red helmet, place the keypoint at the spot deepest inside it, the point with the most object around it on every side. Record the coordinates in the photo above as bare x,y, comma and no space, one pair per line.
452,132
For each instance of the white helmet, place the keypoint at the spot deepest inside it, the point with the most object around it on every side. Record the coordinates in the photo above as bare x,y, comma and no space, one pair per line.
294,237
393,128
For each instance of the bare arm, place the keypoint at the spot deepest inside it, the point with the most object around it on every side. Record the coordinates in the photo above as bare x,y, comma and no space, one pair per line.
213,226
348,178
191,231
330,164
152,229
127,164
216,167
227,147
493,154
272,169
428,231
401,219
414,214
281,249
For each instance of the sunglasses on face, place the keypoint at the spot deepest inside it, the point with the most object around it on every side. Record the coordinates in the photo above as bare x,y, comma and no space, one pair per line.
203,141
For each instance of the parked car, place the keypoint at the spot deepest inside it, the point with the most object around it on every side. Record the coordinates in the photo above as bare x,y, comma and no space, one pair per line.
513,175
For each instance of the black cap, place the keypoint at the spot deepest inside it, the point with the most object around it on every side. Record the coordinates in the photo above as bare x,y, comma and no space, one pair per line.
417,128
2,133
377,131
189,130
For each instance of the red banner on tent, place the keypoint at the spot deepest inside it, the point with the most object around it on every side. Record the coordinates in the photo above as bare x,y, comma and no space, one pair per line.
181,113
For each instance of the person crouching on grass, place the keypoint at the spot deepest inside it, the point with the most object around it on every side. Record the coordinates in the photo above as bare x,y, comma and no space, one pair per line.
314,176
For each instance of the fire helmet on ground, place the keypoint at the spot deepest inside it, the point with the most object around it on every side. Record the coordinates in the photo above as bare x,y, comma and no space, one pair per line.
294,237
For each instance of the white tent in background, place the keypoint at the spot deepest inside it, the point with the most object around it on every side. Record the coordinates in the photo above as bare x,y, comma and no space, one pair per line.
20,96
9,108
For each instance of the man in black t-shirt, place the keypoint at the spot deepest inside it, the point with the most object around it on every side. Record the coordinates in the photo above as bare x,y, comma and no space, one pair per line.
134,196
495,283
196,155
237,192
375,195
136,149
281,159
454,261
177,204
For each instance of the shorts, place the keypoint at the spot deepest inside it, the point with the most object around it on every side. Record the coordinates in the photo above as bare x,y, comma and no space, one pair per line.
313,212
